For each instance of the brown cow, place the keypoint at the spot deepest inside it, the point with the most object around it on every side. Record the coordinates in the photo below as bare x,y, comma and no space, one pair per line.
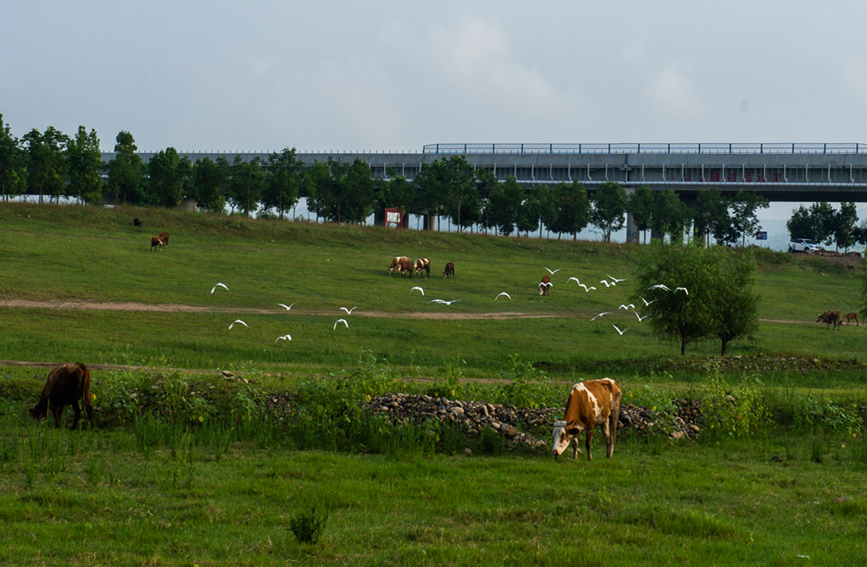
65,386
591,403
852,317
156,242
405,267
450,270
395,264
423,264
545,285
165,238
830,317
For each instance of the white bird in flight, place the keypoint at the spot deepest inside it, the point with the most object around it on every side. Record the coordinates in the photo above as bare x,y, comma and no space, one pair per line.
502,293
546,284
599,315
646,303
619,331
443,301
607,283
284,338
417,288
213,289
627,306
610,277
238,321
681,288
340,321
552,272
349,311
286,307
640,318
573,278
659,286
587,289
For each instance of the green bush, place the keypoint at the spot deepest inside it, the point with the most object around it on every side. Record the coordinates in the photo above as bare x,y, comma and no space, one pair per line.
732,412
816,414
307,527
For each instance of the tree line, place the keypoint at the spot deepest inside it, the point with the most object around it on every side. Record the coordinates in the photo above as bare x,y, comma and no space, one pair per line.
53,165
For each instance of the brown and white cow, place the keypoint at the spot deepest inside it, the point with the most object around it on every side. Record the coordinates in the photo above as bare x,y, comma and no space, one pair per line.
852,317
405,267
545,285
450,270
156,242
591,403
422,264
830,317
165,238
65,386
395,264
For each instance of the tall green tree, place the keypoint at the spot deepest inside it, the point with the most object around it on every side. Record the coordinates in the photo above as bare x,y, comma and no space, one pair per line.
822,216
13,174
284,181
642,205
85,166
609,208
316,186
800,224
505,204
573,211
46,162
166,173
458,180
735,306
358,191
486,184
210,182
745,218
125,169
712,217
246,183
432,191
548,209
844,226
669,215
530,211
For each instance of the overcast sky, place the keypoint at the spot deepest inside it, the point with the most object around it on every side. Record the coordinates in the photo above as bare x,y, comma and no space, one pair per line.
395,75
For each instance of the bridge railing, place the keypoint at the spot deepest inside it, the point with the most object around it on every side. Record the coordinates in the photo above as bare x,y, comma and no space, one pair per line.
652,148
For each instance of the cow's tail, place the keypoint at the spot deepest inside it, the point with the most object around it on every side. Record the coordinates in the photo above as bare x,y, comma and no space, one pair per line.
614,417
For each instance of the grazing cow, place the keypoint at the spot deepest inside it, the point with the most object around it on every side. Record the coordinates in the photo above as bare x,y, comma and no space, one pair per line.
450,270
65,386
165,238
395,264
405,267
136,222
422,264
852,317
591,403
830,317
156,242
545,285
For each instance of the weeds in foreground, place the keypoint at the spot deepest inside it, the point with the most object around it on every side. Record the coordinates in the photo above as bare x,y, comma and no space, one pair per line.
307,527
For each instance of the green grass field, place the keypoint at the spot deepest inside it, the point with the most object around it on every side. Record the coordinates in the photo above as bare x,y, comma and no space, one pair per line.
134,492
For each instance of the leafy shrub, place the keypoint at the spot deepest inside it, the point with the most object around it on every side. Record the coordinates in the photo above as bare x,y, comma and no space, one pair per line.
732,412
491,441
528,386
308,527
659,403
821,415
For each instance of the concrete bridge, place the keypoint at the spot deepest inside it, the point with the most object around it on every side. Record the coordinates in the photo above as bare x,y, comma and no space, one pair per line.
794,172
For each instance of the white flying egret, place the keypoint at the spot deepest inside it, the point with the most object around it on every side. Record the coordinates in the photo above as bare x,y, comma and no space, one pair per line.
213,289
286,307
660,286
349,311
681,288
340,321
284,338
610,277
573,278
627,306
587,289
619,331
607,283
443,301
502,293
238,321
552,272
646,303
599,315
640,318
417,288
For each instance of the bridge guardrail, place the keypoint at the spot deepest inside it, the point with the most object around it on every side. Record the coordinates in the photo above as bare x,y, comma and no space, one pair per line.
651,148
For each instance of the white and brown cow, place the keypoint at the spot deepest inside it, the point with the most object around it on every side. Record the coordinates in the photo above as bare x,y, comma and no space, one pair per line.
422,264
591,403
395,264
405,267
544,285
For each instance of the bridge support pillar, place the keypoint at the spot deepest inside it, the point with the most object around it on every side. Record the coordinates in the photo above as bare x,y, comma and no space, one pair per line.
631,227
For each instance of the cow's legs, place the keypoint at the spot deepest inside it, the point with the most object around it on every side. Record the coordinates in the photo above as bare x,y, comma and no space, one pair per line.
77,411
575,450
58,412
589,437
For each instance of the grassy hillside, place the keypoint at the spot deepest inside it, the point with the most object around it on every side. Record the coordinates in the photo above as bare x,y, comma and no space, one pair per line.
54,255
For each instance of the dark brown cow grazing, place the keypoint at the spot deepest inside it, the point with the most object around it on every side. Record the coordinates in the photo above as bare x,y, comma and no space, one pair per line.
852,317
165,238
423,264
405,267
829,318
591,403
395,264
545,285
65,386
156,242
450,270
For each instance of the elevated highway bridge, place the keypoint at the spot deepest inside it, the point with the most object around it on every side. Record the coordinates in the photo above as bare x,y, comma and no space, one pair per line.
794,172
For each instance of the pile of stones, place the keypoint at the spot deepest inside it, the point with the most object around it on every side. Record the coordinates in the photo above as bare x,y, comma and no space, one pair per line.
528,427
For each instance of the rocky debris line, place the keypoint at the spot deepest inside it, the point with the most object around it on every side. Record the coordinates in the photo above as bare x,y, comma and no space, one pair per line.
474,416
764,362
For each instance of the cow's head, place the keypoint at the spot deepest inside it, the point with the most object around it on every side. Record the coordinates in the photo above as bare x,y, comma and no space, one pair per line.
563,435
